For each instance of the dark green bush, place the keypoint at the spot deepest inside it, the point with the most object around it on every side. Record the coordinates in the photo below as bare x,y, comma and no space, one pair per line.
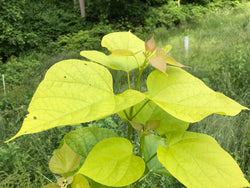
82,40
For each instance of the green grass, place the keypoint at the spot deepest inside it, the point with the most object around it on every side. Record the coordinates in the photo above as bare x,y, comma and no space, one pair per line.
218,54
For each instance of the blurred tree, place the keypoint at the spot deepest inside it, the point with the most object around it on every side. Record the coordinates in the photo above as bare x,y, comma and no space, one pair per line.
82,7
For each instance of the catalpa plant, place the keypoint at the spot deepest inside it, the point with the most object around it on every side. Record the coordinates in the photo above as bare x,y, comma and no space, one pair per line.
76,91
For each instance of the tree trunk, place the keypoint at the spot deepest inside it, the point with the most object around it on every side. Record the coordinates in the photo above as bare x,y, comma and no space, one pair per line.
82,7
179,3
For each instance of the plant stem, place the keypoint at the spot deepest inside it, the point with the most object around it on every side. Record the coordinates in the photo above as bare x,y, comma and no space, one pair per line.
142,145
129,132
139,109
128,80
138,79
137,183
151,158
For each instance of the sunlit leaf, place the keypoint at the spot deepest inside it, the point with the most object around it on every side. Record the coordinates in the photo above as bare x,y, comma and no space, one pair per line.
122,45
158,63
197,160
112,163
80,182
64,160
151,111
122,40
121,52
73,92
167,48
186,97
125,63
151,143
150,45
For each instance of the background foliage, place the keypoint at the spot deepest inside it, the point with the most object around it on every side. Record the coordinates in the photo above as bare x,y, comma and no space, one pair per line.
36,34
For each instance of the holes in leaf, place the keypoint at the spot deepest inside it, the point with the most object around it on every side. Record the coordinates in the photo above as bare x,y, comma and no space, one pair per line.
35,117
65,77
85,64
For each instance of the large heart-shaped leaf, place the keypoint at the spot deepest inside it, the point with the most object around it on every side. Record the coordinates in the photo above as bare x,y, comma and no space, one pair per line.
112,163
72,92
148,110
186,97
197,160
123,45
151,143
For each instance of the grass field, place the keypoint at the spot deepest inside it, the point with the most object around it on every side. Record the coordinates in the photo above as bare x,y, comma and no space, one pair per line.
219,54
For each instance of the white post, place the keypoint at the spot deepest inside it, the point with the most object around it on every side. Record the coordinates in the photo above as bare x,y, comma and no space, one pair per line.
4,91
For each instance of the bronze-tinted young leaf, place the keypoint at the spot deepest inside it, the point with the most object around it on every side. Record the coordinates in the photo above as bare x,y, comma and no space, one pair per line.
51,185
168,59
64,160
136,126
150,45
152,124
158,63
122,52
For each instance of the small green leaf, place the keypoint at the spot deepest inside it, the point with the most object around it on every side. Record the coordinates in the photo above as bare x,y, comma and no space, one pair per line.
136,126
158,63
51,185
197,160
186,97
152,124
112,163
83,140
121,52
80,182
64,160
73,92
151,143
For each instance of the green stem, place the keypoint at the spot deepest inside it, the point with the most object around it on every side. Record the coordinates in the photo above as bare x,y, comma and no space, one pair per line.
151,158
137,183
129,132
128,80
142,139
139,109
138,79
